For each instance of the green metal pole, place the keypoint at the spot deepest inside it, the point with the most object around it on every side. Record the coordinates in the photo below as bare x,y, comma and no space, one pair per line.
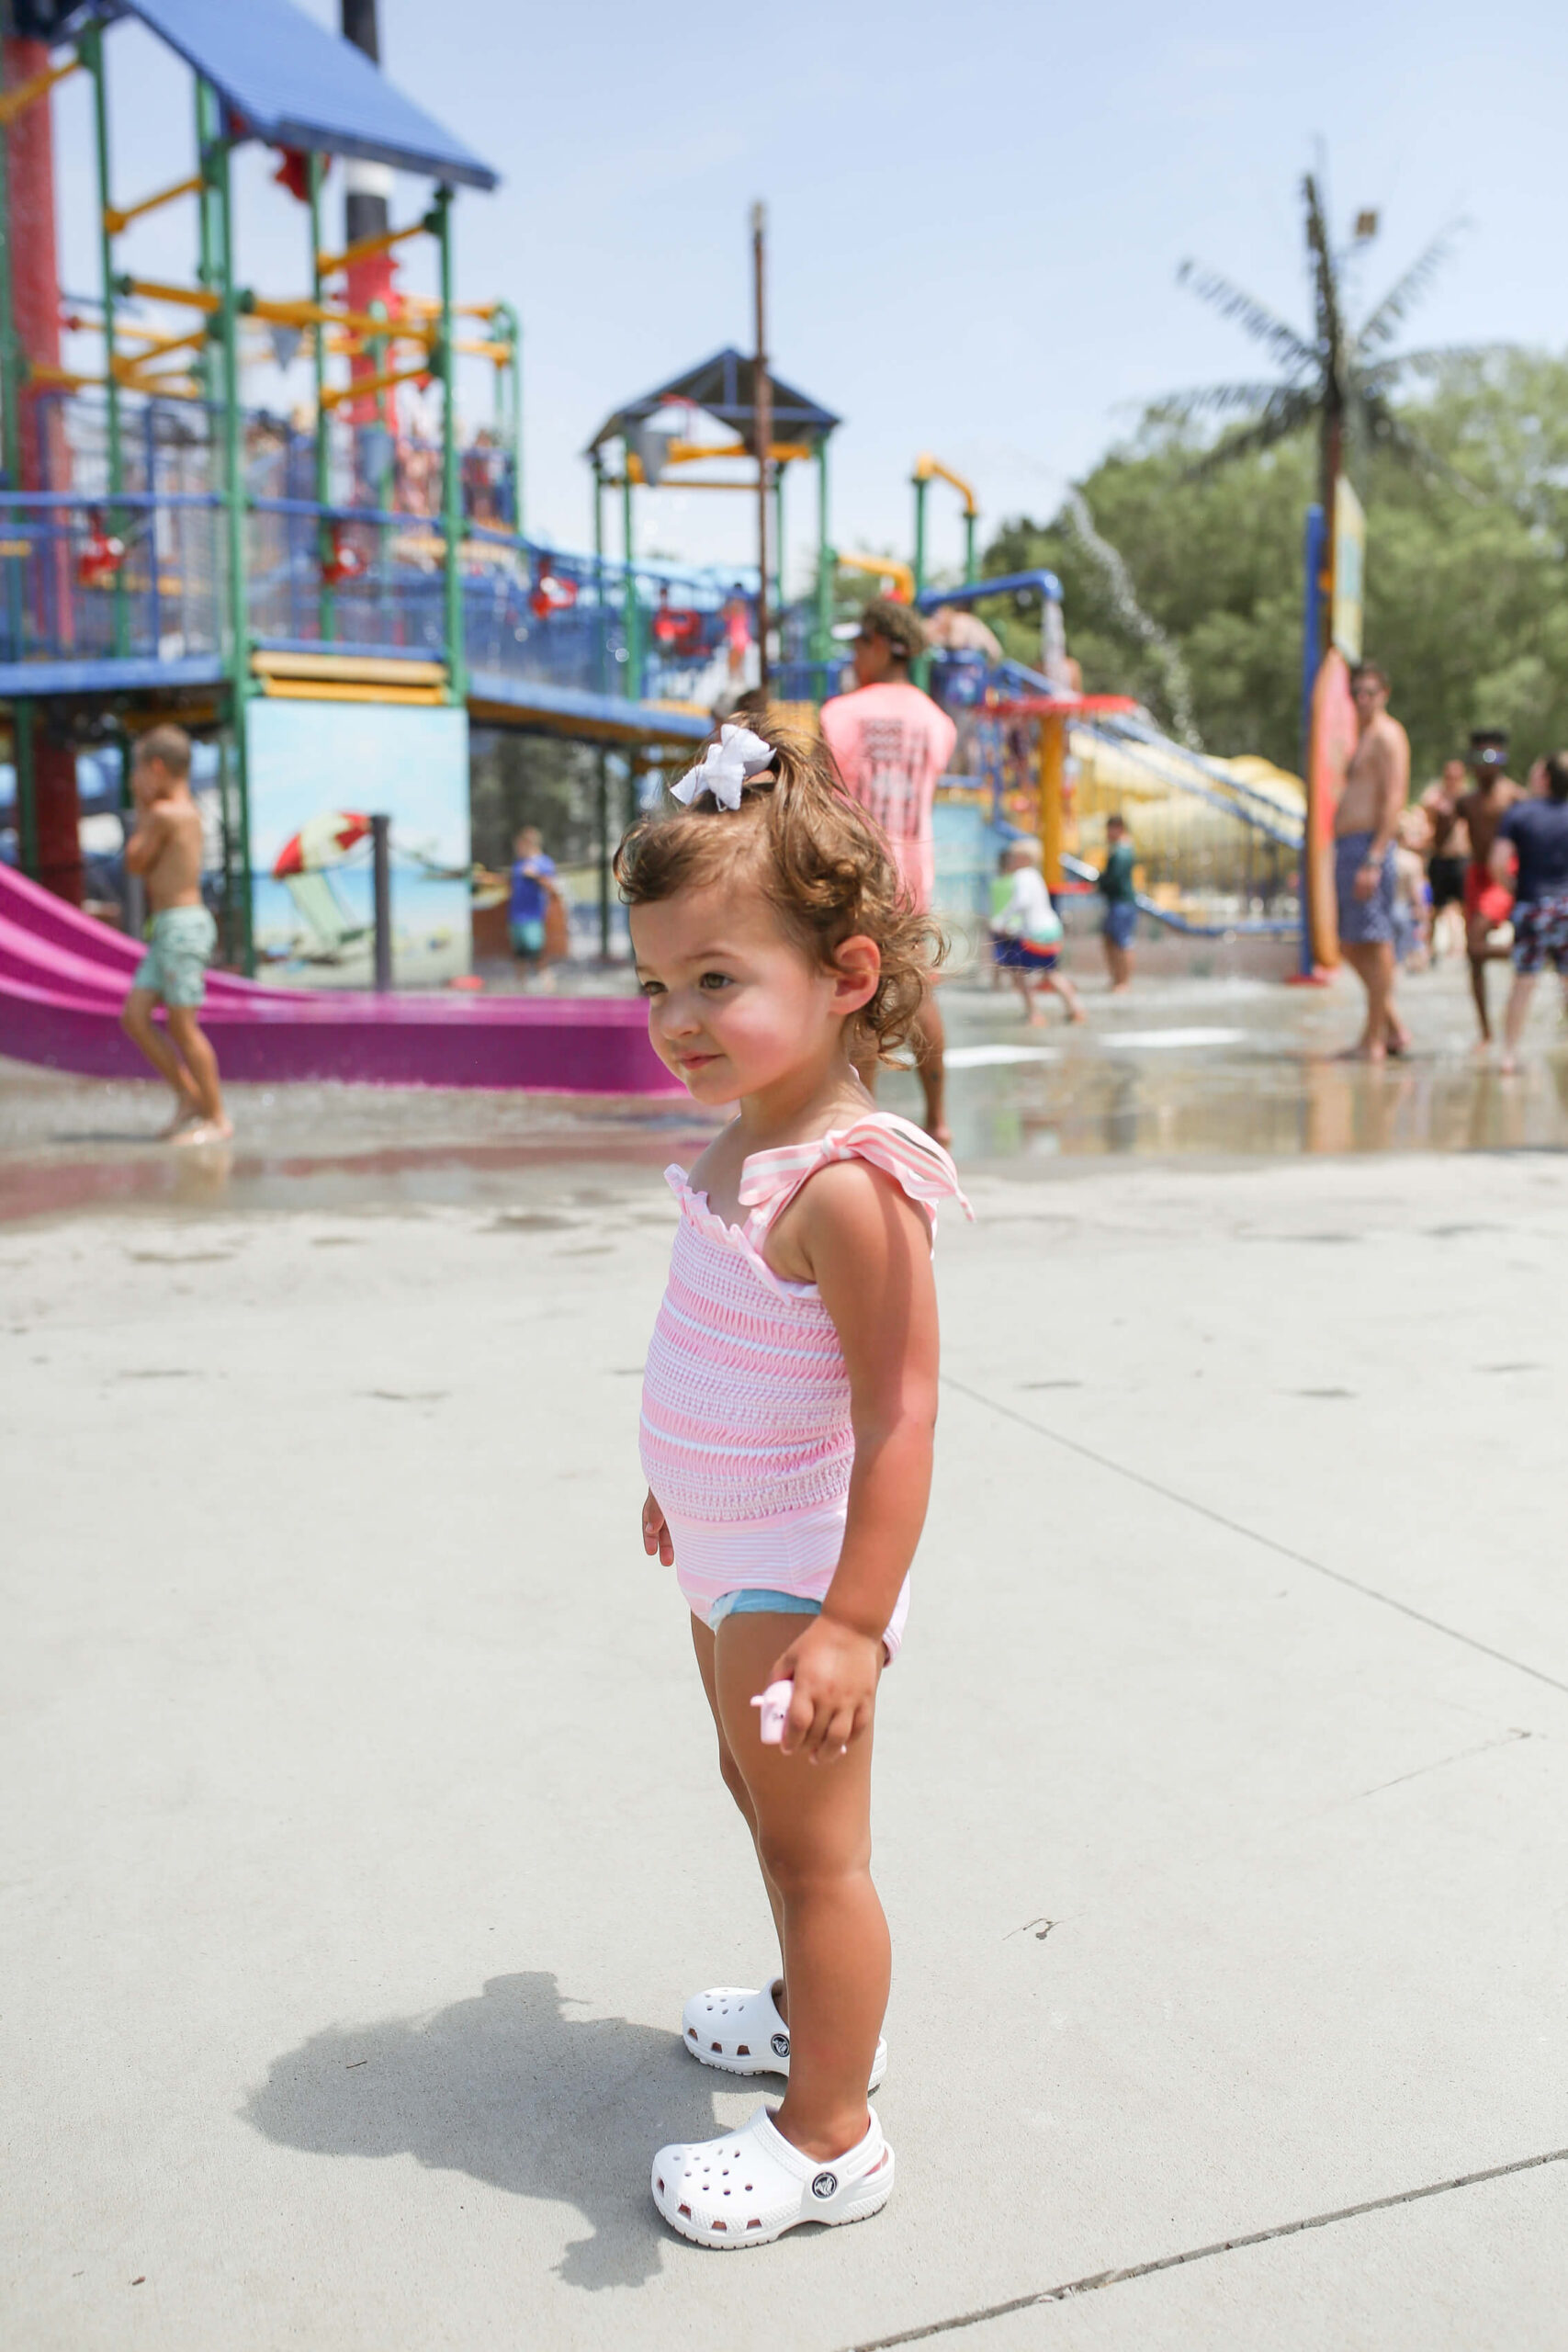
509,402
208,233
919,668
920,536
91,51
603,813
27,786
328,601
451,484
226,825
822,649
633,632
234,518
599,570
971,569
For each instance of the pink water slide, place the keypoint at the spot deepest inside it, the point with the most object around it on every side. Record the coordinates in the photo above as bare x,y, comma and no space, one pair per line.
63,978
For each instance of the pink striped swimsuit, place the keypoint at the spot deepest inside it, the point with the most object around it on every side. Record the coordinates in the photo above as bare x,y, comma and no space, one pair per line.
747,1440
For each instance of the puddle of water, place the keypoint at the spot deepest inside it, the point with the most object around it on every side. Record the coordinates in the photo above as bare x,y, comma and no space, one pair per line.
1256,1078
1154,1041
997,1056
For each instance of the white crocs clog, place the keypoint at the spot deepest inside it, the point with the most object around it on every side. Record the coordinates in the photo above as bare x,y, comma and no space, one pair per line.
741,2033
754,2185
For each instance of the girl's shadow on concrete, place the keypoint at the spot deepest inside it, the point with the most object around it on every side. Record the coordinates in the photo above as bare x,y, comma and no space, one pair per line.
509,2090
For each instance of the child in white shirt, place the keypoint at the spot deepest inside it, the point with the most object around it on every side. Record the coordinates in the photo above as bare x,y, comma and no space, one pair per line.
1026,933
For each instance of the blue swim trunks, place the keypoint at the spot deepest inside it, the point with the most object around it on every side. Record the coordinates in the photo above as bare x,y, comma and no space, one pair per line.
1363,923
180,942
1121,922
1024,954
1541,936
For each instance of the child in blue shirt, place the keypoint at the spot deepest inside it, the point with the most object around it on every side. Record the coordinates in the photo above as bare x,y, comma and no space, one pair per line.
531,890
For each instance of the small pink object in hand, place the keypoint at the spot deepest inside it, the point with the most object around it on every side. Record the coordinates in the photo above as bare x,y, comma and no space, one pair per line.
775,1704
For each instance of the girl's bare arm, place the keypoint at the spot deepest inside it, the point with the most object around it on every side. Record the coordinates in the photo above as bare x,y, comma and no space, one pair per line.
867,1247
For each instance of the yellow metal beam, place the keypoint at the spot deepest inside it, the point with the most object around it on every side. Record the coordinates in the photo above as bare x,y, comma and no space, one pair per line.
883,566
194,298
689,453
321,314
41,372
426,304
282,315
331,690
929,469
329,264
159,344
167,388
335,394
26,94
120,216
349,669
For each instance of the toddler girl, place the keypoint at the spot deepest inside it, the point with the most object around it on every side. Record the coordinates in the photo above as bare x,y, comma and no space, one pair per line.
788,1407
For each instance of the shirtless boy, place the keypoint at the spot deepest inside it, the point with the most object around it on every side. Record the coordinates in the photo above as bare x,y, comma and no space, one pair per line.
165,849
1487,901
1375,784
1450,853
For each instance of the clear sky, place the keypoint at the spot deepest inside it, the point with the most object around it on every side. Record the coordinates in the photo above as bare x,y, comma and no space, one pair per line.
978,212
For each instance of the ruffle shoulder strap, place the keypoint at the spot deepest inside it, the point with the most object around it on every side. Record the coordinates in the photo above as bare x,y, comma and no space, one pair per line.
770,1179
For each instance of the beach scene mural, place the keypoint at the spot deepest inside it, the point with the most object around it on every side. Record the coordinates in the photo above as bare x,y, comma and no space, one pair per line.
319,771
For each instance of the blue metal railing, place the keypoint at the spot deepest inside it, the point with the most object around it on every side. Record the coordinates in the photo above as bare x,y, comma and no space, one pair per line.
142,577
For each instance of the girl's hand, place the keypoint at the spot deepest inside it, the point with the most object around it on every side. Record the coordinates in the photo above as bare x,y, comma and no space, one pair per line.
656,1535
835,1671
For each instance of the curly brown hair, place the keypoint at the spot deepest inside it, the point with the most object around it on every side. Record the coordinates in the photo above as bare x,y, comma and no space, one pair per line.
820,860
900,625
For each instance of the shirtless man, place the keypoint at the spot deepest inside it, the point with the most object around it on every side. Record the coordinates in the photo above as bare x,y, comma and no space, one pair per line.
1375,784
165,849
1487,901
1450,853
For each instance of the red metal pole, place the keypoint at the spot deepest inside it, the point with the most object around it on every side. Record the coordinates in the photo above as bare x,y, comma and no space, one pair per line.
45,457
367,214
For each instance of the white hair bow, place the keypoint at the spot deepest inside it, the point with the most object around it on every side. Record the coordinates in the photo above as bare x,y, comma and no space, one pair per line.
724,766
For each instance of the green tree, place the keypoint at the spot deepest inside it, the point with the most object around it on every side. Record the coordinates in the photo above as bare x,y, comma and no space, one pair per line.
1467,596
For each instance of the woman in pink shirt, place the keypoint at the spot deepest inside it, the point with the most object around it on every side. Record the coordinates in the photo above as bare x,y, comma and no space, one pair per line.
892,745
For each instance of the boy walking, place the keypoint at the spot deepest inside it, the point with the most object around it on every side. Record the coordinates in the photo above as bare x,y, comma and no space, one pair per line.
165,849
1118,891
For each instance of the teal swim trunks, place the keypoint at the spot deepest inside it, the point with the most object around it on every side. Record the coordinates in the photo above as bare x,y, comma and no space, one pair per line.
180,942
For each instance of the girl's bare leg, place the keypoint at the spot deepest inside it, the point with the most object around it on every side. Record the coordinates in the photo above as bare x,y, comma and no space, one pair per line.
734,1780
813,1833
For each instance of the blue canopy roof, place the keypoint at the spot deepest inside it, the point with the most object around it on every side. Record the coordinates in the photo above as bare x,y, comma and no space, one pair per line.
293,84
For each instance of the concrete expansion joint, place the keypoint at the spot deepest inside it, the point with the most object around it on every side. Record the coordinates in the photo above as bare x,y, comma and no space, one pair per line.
1252,1534
1095,2281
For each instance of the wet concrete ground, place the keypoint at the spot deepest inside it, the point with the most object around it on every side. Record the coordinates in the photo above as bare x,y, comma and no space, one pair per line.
1198,1070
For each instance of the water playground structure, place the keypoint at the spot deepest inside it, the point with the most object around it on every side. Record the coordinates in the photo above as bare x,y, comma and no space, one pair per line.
332,598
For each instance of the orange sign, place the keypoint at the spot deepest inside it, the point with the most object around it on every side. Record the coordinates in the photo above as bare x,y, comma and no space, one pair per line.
1333,743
